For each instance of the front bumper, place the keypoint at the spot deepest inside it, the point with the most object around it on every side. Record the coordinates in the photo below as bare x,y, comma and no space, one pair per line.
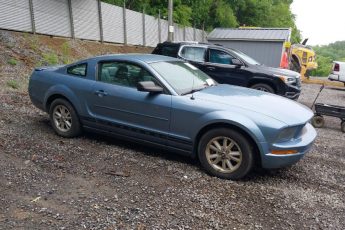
333,77
302,145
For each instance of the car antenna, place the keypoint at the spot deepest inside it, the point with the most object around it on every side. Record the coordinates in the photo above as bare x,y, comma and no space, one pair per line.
192,97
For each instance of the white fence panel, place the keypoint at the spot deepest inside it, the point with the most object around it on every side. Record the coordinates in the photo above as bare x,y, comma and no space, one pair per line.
178,33
112,18
164,30
199,35
52,17
151,31
86,20
134,23
189,34
15,15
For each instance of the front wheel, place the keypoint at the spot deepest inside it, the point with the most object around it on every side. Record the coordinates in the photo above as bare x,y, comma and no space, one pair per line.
64,118
263,87
318,121
226,153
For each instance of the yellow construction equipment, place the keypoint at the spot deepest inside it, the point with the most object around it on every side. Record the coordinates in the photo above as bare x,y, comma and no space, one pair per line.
302,59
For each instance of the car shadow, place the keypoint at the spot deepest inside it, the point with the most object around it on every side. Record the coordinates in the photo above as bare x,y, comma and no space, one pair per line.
141,148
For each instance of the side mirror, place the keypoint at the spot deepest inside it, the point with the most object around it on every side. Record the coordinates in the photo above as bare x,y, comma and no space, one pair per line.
237,62
149,86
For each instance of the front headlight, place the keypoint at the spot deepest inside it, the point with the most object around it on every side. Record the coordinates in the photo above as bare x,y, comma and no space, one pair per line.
287,134
286,79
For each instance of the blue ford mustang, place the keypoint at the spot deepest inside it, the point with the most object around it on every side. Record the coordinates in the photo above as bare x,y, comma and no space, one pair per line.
169,103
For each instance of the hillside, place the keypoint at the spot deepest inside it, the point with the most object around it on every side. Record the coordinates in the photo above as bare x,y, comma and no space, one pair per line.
21,52
326,54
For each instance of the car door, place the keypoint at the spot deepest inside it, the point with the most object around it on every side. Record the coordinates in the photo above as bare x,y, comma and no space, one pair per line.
119,107
219,65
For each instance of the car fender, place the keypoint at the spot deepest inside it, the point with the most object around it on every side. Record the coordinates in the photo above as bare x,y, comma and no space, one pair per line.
244,123
65,92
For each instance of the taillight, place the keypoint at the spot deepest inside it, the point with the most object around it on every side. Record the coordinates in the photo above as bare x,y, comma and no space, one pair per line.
336,67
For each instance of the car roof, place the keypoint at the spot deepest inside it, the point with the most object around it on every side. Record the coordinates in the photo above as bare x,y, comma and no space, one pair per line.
147,58
198,44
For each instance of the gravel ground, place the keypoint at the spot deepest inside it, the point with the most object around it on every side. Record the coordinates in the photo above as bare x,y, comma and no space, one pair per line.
96,182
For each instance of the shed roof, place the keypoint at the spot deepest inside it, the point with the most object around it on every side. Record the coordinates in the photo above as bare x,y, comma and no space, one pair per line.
261,34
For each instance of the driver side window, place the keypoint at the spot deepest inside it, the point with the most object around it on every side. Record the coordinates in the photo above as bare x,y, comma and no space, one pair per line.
123,74
220,57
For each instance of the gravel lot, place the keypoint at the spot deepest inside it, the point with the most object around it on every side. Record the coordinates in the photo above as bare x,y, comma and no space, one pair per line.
96,182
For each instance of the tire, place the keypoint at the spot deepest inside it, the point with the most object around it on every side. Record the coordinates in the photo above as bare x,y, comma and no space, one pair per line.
318,121
64,118
343,126
263,87
233,163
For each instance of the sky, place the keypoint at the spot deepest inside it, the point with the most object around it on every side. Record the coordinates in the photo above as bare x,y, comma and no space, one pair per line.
322,21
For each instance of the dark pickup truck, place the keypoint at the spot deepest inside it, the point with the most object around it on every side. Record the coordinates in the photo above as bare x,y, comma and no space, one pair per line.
230,66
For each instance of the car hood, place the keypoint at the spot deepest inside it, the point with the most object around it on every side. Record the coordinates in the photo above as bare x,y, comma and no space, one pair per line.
254,101
277,71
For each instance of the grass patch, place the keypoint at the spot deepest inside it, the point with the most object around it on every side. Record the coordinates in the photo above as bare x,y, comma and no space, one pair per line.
66,52
13,84
50,58
12,61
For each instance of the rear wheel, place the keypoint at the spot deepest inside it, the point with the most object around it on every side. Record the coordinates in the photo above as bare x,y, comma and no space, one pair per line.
225,153
64,118
263,87
318,121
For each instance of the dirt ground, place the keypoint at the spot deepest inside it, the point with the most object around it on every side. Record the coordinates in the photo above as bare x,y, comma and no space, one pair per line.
97,182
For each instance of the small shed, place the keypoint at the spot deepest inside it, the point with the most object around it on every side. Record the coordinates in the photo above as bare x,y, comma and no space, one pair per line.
266,45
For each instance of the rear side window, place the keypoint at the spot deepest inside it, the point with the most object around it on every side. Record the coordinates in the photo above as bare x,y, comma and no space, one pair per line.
193,53
78,70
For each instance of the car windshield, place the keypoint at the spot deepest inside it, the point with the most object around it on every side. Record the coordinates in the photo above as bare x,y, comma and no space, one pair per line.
246,58
183,77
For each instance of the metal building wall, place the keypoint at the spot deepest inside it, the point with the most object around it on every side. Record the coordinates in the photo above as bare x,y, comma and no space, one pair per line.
86,20
52,17
134,24
112,19
266,52
15,15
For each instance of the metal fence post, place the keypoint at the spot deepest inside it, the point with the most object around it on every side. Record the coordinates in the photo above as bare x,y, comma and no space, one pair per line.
203,32
70,12
100,20
124,24
159,27
184,33
32,16
144,29
194,33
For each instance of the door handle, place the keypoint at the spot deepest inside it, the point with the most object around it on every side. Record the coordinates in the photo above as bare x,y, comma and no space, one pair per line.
210,68
101,93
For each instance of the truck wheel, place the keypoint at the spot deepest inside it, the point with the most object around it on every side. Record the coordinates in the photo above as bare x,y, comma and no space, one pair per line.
263,87
225,153
64,118
318,121
343,126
